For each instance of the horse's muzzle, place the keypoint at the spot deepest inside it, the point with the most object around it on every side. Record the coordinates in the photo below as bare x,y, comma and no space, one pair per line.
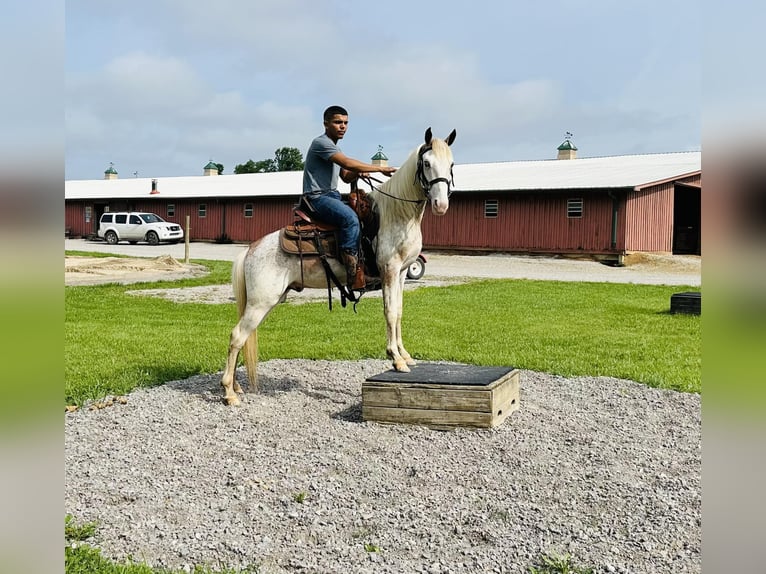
439,206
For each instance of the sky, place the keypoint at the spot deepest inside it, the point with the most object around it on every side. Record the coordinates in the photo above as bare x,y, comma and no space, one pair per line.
161,88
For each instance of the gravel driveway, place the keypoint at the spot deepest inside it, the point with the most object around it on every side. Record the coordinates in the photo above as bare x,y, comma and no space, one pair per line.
606,470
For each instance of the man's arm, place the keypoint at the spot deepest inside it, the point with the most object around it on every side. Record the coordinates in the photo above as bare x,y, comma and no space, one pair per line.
351,168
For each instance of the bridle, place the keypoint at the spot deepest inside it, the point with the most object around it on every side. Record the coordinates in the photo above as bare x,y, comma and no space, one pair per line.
420,179
420,176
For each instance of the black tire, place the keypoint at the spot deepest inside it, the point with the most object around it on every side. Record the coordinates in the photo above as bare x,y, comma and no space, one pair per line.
416,269
152,238
111,238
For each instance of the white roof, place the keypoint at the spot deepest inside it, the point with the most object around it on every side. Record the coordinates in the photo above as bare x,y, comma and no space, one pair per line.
629,171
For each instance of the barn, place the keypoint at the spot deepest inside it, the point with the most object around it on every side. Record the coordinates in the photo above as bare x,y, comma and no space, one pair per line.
602,206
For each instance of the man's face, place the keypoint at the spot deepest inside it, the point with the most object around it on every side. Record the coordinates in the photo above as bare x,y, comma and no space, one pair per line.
336,127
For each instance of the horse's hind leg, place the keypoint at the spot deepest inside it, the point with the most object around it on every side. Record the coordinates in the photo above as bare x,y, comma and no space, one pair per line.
249,321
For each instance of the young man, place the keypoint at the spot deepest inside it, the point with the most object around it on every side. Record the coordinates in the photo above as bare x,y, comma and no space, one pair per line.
324,163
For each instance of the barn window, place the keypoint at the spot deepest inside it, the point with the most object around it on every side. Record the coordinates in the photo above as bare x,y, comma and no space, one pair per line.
248,210
88,213
171,209
490,208
202,210
574,207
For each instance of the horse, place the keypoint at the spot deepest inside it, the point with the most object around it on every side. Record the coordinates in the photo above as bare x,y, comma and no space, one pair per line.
263,274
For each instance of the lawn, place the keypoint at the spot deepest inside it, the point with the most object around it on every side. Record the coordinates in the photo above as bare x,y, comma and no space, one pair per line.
115,342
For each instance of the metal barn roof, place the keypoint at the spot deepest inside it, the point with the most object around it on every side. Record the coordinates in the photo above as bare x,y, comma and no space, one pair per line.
629,171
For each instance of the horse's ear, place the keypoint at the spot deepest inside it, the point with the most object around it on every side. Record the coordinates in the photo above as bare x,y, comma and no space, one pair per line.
451,137
428,136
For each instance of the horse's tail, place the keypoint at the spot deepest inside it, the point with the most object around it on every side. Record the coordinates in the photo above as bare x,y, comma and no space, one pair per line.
250,348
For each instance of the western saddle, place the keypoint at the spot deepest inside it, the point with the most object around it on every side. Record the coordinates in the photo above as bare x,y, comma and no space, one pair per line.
306,236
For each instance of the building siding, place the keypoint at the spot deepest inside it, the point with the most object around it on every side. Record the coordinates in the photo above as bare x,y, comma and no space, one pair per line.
649,217
535,222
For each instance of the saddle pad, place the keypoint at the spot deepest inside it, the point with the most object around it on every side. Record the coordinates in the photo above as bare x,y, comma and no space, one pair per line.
303,239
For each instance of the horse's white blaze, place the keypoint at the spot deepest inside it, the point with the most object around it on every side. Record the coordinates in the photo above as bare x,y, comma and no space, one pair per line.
262,276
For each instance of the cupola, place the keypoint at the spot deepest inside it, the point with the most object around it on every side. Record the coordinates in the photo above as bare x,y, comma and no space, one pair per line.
380,158
211,168
567,150
110,172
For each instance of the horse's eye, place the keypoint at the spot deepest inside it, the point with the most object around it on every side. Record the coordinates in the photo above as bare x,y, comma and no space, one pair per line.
427,164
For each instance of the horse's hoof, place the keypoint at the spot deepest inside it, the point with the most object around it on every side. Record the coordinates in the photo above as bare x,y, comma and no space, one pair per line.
232,401
401,367
237,388
410,361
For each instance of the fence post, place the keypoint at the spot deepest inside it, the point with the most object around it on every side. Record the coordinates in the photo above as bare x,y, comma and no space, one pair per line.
186,242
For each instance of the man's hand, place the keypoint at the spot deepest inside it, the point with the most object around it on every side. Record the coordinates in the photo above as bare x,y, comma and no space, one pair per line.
389,171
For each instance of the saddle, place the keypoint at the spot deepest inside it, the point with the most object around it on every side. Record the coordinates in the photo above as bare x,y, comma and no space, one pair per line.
306,236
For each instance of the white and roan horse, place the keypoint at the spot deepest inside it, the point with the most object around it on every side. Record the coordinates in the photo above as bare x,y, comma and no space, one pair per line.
262,275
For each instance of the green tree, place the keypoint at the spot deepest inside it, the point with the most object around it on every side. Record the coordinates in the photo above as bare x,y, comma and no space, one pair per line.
220,168
288,159
285,159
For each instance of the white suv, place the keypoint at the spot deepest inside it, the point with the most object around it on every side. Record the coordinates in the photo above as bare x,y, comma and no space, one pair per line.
135,226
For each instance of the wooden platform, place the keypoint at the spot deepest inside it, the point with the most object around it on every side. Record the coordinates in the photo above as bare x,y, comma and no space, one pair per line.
689,302
442,395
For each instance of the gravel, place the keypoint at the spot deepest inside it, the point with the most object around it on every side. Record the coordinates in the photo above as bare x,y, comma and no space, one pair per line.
603,469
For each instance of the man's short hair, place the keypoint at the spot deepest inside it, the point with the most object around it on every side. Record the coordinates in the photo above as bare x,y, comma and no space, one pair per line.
332,111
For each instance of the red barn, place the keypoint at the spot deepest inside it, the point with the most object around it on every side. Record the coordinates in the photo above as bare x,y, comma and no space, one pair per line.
604,206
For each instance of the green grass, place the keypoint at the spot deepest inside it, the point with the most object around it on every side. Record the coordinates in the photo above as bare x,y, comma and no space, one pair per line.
82,558
116,342
556,564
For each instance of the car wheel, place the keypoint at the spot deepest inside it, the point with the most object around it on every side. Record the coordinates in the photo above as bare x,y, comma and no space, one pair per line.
152,238
111,238
416,269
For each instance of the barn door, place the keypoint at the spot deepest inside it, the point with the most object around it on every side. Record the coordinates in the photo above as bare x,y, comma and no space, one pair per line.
686,220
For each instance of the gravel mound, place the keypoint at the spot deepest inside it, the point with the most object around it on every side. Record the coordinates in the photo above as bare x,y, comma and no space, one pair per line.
604,469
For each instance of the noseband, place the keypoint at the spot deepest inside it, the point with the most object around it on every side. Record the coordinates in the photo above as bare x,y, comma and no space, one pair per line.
425,184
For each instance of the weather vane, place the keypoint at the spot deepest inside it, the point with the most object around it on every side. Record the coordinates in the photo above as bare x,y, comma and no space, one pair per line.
568,136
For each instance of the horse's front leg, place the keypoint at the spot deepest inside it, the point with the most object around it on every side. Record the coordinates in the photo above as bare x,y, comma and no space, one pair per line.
400,345
392,297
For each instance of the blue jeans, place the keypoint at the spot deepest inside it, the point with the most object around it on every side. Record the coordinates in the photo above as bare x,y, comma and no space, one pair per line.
330,209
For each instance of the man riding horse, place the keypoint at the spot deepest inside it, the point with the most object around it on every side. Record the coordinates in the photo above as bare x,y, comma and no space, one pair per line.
324,163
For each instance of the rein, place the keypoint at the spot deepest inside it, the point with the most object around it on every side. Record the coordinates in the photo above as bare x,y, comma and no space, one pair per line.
368,179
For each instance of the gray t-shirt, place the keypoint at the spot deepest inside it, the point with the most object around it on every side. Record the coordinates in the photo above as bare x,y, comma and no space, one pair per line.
319,173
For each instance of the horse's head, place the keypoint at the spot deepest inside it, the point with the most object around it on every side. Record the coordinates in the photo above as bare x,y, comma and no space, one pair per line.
435,171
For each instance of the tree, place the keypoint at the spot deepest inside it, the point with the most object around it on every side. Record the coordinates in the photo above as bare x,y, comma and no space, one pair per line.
220,168
285,159
288,159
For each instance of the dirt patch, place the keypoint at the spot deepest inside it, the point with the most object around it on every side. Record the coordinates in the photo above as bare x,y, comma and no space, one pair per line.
663,262
125,270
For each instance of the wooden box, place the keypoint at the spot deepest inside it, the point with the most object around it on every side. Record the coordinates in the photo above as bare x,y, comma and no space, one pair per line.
442,395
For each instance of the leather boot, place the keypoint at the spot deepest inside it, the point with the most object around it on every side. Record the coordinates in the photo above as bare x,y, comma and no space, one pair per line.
354,273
